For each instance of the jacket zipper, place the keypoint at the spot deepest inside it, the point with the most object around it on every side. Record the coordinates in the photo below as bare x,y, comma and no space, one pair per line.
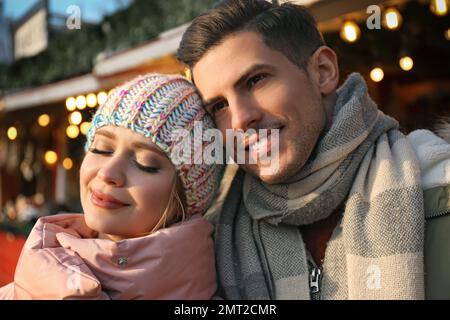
315,277
314,283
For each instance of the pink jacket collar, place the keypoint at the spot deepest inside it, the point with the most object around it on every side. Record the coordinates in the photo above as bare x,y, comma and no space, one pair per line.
172,263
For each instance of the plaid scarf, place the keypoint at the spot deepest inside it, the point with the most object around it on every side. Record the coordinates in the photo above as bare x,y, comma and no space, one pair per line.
376,250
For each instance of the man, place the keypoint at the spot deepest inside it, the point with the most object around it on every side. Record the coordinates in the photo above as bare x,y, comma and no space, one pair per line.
343,216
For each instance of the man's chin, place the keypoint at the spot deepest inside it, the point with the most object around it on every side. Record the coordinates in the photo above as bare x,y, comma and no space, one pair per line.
267,174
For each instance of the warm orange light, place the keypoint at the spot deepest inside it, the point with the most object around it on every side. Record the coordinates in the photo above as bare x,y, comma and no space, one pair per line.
377,74
72,131
447,34
392,19
101,97
75,118
71,104
51,157
91,100
406,63
188,74
67,163
84,127
439,7
81,102
12,133
350,31
44,120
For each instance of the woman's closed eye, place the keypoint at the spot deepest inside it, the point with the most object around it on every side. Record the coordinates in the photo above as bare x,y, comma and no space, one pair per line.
98,151
145,168
148,169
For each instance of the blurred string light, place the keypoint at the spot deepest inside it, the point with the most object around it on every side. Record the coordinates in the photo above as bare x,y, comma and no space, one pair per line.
71,104
377,74
350,31
81,102
84,127
72,131
75,118
67,163
447,34
91,100
392,19
12,133
439,7
406,63
101,97
39,199
50,157
188,74
44,120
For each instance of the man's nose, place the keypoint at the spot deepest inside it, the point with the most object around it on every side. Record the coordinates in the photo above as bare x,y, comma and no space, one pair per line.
112,171
244,114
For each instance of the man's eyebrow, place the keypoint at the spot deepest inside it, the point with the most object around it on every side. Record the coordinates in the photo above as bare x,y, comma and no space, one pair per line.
249,71
242,78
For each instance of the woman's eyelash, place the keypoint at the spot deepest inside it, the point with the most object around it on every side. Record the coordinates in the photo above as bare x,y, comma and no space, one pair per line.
95,150
140,166
146,169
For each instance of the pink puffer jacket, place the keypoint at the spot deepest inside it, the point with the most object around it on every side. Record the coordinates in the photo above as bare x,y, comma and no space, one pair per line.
63,259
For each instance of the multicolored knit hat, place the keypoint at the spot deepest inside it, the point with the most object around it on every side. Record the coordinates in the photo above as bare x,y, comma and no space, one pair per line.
156,106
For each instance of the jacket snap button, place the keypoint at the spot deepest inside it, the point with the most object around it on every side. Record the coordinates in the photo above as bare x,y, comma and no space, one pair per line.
122,261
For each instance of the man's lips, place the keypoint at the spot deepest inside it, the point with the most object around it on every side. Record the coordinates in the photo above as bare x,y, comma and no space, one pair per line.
255,138
106,201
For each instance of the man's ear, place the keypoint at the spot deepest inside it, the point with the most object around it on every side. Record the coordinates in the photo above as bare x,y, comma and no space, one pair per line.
323,65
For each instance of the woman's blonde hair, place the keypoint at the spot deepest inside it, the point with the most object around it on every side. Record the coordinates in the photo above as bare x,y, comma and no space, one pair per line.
175,210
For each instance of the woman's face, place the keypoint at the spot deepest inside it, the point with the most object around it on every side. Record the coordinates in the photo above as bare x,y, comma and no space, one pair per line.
125,183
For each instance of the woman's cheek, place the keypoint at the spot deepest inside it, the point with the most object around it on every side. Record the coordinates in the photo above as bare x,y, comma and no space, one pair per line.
156,194
87,173
83,179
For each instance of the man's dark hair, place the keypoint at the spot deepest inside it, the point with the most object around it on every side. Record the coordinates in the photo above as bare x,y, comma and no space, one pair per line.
287,28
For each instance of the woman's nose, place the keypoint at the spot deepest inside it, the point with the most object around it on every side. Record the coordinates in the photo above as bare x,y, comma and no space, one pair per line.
112,172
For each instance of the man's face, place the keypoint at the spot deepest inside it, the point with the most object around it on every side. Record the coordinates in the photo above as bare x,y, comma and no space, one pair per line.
247,85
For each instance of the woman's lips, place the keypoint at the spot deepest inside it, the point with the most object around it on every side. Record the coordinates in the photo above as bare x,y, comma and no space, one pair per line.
106,201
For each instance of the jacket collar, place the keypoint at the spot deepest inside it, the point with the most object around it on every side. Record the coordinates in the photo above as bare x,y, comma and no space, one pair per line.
173,262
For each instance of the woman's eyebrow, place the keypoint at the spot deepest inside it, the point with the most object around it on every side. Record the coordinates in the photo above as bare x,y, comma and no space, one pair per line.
135,145
146,146
105,133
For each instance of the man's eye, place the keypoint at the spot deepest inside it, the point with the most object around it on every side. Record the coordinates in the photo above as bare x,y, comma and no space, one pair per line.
254,80
97,151
217,107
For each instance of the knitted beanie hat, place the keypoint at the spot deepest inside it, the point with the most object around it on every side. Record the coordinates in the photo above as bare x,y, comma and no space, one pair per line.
156,106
